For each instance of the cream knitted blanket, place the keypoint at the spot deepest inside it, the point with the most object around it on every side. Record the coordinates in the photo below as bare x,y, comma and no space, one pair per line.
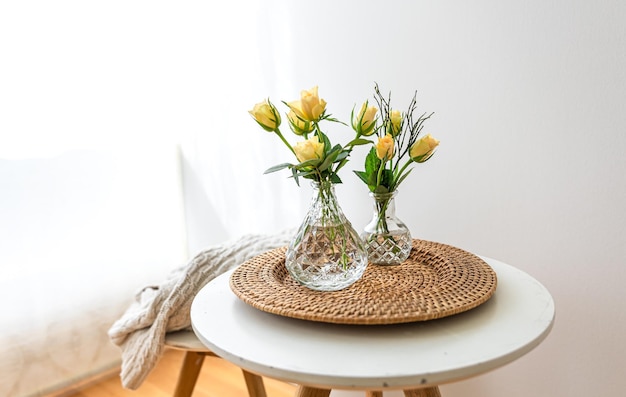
156,310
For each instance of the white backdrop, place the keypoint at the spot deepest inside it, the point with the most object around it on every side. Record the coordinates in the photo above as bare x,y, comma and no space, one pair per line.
528,100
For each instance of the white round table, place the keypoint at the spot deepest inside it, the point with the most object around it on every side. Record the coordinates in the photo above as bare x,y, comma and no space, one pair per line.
414,357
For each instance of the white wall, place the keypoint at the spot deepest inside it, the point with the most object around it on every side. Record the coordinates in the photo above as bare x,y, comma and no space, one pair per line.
529,107
529,103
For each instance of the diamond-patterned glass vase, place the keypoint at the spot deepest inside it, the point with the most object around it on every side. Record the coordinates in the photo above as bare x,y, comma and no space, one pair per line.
387,239
326,253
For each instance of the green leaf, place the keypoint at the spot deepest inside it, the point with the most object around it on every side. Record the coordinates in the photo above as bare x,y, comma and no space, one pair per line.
324,139
334,120
363,176
341,164
337,148
304,173
294,173
308,163
330,158
278,168
334,178
387,178
372,162
358,141
342,155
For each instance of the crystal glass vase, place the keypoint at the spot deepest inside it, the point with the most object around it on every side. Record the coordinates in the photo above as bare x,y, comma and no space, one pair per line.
326,253
387,239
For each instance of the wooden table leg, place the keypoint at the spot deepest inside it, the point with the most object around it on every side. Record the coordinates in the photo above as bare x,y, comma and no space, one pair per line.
306,391
371,393
192,363
427,392
254,383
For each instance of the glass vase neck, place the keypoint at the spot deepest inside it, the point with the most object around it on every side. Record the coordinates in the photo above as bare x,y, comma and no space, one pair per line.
325,185
383,196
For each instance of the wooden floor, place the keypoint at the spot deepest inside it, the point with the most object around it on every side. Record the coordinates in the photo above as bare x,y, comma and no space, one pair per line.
217,379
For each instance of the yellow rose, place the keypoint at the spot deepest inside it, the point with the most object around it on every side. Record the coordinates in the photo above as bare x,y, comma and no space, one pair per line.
310,149
266,115
396,122
298,126
365,121
384,147
423,149
310,107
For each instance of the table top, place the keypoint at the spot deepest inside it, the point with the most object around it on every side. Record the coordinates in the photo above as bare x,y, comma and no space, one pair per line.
333,356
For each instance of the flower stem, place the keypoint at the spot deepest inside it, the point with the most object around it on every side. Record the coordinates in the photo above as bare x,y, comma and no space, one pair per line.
381,206
277,131
380,172
399,174
334,228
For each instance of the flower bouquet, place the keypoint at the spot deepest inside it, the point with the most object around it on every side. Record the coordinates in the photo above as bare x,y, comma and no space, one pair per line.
387,165
326,252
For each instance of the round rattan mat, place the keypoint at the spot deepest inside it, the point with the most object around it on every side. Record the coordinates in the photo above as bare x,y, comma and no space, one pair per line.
436,281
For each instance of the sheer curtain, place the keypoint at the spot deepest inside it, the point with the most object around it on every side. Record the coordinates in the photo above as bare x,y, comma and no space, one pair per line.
227,193
129,75
95,100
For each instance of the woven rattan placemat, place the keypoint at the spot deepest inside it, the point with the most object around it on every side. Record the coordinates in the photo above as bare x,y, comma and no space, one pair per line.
436,281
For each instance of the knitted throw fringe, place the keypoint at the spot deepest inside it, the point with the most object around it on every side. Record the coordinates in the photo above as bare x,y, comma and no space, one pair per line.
156,310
